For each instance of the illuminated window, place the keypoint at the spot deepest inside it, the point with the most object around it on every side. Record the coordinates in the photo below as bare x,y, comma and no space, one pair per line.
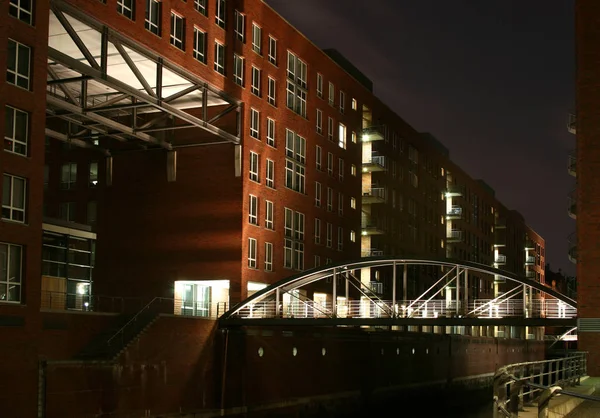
342,136
354,104
353,202
93,174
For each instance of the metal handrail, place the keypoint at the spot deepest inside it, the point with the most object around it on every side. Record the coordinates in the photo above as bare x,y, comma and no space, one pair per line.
122,329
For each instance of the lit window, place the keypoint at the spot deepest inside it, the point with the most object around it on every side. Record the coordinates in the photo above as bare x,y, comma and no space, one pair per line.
126,8
152,22
200,6
255,89
177,31
254,166
200,45
253,210
252,253
16,130
14,193
268,256
272,50
219,58
353,202
269,209
18,65
271,93
93,174
271,132
238,70
254,123
22,10
220,14
354,137
240,25
270,182
11,270
342,136
68,176
256,38
353,170
354,104
352,236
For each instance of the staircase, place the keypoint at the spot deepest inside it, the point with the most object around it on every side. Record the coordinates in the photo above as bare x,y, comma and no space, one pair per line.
107,345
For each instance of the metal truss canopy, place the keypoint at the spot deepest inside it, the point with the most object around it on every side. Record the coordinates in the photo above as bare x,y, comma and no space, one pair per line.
105,84
265,305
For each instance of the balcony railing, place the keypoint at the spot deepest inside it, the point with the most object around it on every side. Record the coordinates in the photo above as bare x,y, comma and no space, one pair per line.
529,244
572,205
376,287
454,212
572,165
500,259
454,190
373,133
373,195
530,274
454,236
375,163
500,223
371,253
572,248
572,123
529,260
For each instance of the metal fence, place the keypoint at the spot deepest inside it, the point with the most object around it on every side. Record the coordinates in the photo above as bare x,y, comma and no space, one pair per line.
529,383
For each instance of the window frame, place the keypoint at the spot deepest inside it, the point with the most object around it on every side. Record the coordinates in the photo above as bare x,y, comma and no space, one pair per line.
21,79
11,206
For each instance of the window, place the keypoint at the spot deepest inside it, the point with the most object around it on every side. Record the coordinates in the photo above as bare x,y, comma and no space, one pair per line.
240,26
296,85
317,231
67,211
68,175
342,136
220,14
340,239
255,89
320,85
22,10
200,45
340,204
11,268
220,58
353,170
126,8
271,132
353,203
18,65
295,150
92,212
341,169
331,94
354,104
200,6
254,166
317,194
353,137
254,123
330,128
330,164
293,242
14,192
269,214
319,121
329,199
238,70
318,157
152,22
329,237
256,38
16,130
271,174
93,174
268,256
252,253
271,93
253,210
177,31
342,101
272,50
317,261
353,236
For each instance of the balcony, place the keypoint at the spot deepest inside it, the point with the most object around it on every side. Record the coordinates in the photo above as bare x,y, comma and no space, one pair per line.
454,190
572,165
375,163
373,133
500,260
572,123
572,205
529,260
454,236
455,212
371,252
373,195
572,248
500,223
530,274
529,244
499,239
376,287
370,226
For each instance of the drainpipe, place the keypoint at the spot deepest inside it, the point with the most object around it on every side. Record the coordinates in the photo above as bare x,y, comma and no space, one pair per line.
42,365
224,373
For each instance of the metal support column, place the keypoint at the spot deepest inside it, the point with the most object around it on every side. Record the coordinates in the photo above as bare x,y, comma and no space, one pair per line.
457,279
394,310
347,293
405,283
277,295
466,292
334,298
525,315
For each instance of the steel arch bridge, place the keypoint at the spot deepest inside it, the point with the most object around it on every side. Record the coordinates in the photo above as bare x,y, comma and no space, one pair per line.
336,295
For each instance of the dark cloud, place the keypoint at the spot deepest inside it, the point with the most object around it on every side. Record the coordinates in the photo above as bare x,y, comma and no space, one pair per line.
493,80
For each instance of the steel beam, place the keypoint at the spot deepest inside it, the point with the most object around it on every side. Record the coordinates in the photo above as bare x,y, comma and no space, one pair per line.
75,141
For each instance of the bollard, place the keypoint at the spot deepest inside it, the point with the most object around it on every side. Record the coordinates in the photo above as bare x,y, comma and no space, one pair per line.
544,401
514,404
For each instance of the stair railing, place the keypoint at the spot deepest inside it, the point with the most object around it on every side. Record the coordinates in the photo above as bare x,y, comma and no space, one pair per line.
121,331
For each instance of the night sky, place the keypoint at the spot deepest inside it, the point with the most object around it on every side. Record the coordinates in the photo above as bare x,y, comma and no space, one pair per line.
491,79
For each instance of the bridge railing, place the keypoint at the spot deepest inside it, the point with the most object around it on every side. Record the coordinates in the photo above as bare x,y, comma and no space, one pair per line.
519,384
301,307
